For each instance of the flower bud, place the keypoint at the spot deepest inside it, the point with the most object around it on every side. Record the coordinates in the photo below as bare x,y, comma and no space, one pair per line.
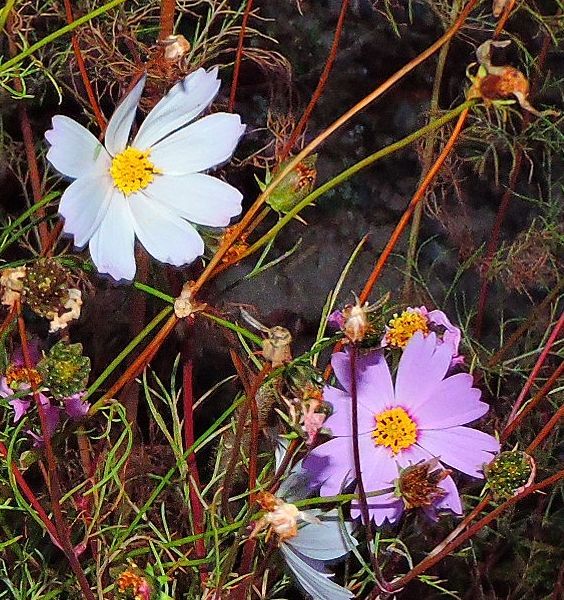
64,369
510,473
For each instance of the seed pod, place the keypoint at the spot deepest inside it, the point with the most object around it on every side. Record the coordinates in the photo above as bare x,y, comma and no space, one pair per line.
295,186
510,473
64,369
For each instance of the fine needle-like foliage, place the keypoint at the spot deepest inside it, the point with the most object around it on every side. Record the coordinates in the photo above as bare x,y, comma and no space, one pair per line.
281,299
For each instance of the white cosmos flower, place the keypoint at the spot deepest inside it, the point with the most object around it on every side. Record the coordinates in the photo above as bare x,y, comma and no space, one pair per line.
152,188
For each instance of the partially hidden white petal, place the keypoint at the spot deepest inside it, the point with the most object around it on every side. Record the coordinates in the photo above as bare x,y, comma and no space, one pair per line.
317,584
113,243
165,236
200,146
119,127
84,205
325,540
183,103
197,197
74,150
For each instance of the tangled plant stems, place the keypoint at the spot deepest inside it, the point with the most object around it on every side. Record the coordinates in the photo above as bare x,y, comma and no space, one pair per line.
264,460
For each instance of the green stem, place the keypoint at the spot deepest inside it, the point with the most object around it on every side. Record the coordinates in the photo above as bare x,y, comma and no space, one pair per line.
228,325
118,359
348,173
57,34
427,160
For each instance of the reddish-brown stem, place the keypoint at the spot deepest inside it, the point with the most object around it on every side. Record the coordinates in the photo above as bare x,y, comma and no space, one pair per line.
52,238
137,366
100,119
239,55
53,476
253,450
504,17
321,84
31,497
417,198
512,425
515,337
495,235
536,369
198,519
358,473
167,18
8,320
546,430
428,562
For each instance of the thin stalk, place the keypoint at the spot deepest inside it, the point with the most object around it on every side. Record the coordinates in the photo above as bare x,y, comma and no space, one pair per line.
348,173
358,474
536,369
238,229
427,161
239,55
417,198
100,119
53,476
546,430
57,34
298,129
167,18
448,548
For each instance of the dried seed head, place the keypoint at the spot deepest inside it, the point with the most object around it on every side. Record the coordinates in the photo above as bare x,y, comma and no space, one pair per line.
175,47
45,287
418,485
11,281
184,305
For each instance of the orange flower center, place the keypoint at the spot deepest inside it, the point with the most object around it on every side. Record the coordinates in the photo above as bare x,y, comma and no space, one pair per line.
16,376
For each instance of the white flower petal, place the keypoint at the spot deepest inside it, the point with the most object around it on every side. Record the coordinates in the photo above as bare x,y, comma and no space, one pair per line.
74,150
165,236
84,204
197,197
316,584
119,127
183,103
200,146
113,243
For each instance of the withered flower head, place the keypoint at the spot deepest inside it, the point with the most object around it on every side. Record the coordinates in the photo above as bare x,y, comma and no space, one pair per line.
418,485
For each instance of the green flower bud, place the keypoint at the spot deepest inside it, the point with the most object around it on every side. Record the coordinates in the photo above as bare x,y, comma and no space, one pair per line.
64,370
509,474
294,187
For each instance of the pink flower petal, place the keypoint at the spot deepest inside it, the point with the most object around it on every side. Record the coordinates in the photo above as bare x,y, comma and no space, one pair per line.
463,448
453,402
340,422
422,366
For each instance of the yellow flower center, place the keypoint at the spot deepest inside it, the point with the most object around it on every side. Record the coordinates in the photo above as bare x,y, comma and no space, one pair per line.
395,429
402,327
132,170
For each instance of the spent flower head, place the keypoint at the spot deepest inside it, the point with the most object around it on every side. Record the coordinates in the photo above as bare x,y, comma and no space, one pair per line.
510,473
153,187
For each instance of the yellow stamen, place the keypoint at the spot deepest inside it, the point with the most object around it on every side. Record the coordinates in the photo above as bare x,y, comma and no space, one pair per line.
395,429
402,327
132,170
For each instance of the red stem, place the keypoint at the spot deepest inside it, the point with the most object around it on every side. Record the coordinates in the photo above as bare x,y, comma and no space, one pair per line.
100,119
198,519
321,84
538,365
32,498
239,56
54,484
417,198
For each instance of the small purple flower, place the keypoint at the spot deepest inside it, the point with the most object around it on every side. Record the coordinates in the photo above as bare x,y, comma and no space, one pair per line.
336,320
75,407
418,419
402,328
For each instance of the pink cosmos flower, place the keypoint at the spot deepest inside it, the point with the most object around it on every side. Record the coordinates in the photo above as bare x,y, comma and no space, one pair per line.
403,326
418,419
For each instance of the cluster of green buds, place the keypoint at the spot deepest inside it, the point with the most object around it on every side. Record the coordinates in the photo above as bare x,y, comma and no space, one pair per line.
64,369
510,473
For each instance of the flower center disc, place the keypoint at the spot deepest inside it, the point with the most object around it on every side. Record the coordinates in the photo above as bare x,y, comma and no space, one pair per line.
132,170
402,328
16,376
395,429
